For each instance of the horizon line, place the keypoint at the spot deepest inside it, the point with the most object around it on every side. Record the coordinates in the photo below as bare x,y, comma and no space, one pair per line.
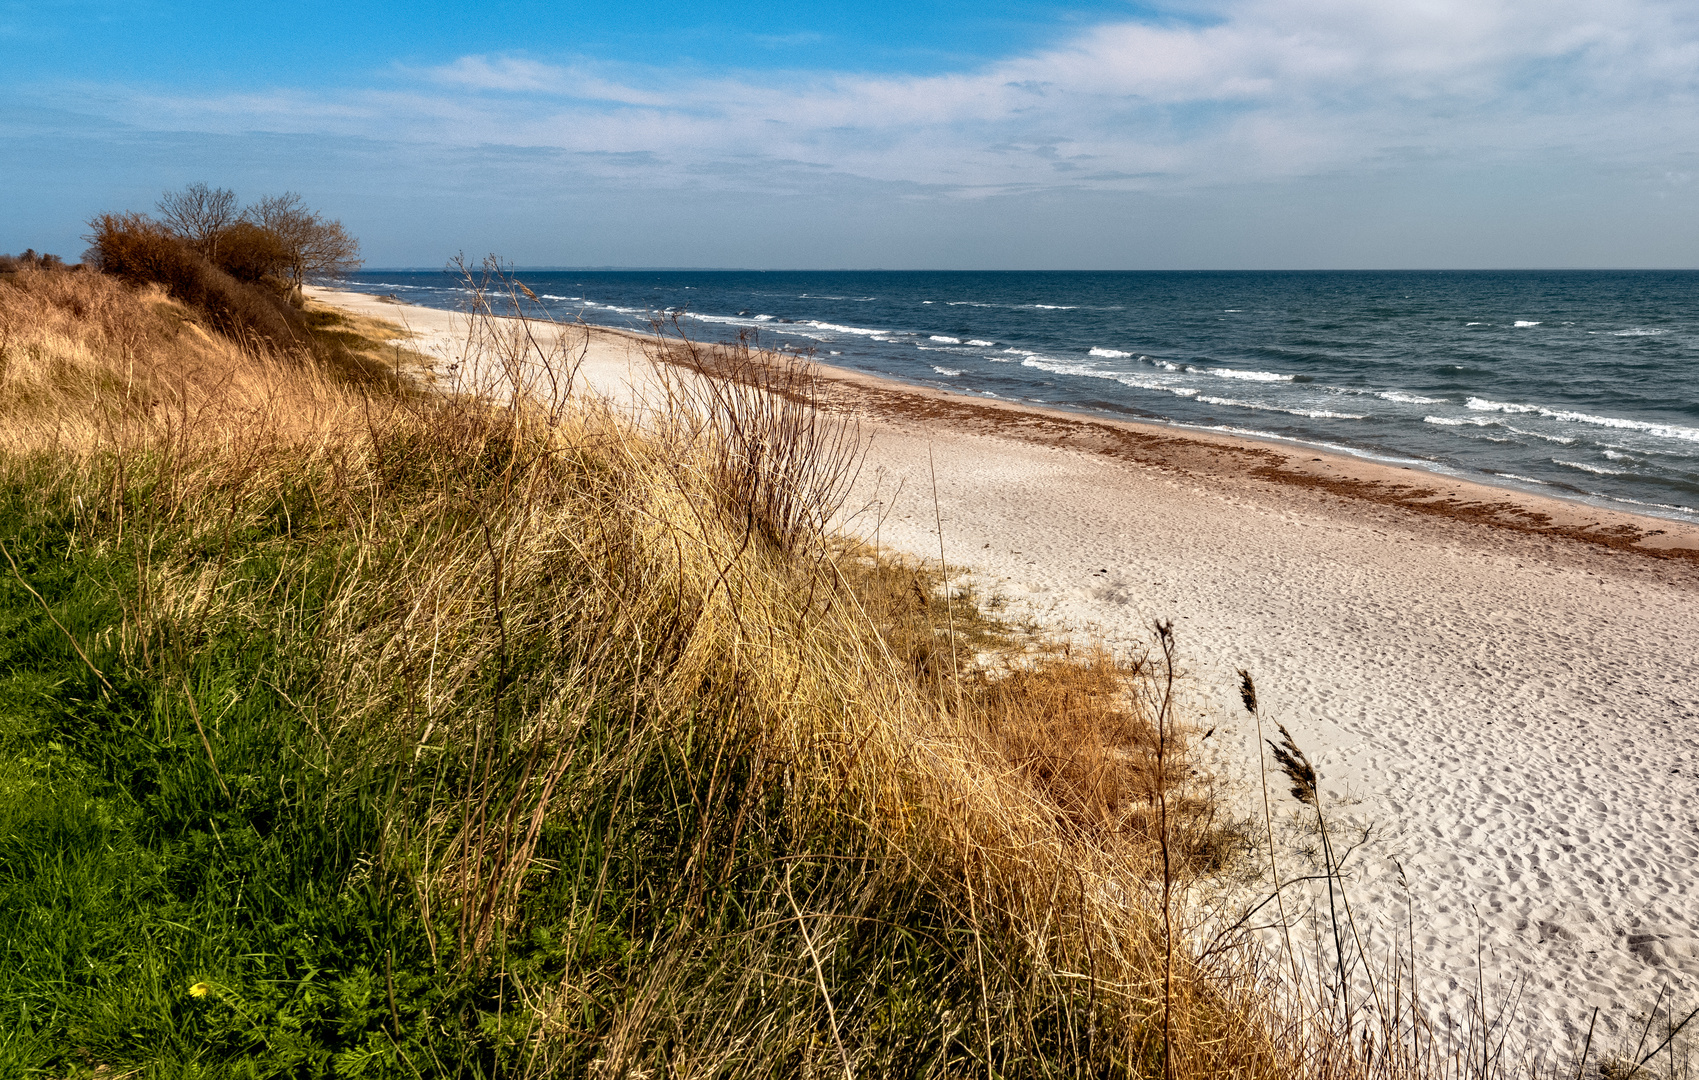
547,268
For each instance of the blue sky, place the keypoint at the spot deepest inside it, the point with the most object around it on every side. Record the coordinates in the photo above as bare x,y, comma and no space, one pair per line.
1201,133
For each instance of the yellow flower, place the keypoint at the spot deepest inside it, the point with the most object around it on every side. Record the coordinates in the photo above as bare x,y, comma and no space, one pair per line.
200,990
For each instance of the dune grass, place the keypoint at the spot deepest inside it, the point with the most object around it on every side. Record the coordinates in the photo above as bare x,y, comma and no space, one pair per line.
348,729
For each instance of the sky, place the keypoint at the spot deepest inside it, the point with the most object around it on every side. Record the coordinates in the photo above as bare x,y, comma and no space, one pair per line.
999,134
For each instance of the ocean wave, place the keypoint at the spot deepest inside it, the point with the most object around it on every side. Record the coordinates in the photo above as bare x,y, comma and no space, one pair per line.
1250,376
838,328
1656,430
951,372
946,340
1056,307
552,296
1522,323
763,318
1561,440
1597,470
1487,405
1112,354
1318,414
1407,399
1524,479
1145,384
1057,367
1637,332
1459,421
981,344
1660,506
1661,431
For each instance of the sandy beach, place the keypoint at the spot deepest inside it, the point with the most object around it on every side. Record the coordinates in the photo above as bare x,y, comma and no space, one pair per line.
1502,689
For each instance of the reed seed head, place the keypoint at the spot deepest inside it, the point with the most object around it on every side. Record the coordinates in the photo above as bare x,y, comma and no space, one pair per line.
1247,691
1296,766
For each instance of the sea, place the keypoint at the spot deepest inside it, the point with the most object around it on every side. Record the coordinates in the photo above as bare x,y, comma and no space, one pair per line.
1580,384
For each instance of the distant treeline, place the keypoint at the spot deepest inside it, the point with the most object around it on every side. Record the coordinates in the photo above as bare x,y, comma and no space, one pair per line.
277,241
240,267
30,260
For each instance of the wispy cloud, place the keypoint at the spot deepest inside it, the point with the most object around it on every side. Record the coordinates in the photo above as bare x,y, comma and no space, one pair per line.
1246,91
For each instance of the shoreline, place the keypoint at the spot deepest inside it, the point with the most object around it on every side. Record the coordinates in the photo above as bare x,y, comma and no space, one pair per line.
1195,451
1500,690
1288,463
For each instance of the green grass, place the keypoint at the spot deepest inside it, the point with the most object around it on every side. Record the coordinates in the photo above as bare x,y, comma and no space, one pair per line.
435,739
128,875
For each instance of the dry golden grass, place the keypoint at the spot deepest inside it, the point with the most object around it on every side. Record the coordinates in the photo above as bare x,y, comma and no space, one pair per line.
533,600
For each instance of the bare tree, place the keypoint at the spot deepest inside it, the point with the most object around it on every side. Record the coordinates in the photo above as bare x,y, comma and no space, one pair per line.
313,244
199,215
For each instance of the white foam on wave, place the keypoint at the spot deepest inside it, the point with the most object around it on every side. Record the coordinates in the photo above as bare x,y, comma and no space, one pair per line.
1486,405
1459,421
1524,479
1597,470
763,318
946,340
1250,376
552,296
1056,307
1044,363
1561,440
1318,414
951,372
1521,323
1407,399
980,344
1638,332
1477,324
1657,430
1112,354
1661,431
1660,506
1145,384
838,328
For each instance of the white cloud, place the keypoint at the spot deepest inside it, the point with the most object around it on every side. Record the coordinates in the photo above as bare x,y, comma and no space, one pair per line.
1242,92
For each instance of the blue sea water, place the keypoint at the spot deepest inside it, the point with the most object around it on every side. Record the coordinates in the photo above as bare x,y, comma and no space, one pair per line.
1581,384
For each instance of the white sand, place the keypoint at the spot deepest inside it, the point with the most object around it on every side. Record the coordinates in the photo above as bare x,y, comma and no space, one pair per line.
1515,715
